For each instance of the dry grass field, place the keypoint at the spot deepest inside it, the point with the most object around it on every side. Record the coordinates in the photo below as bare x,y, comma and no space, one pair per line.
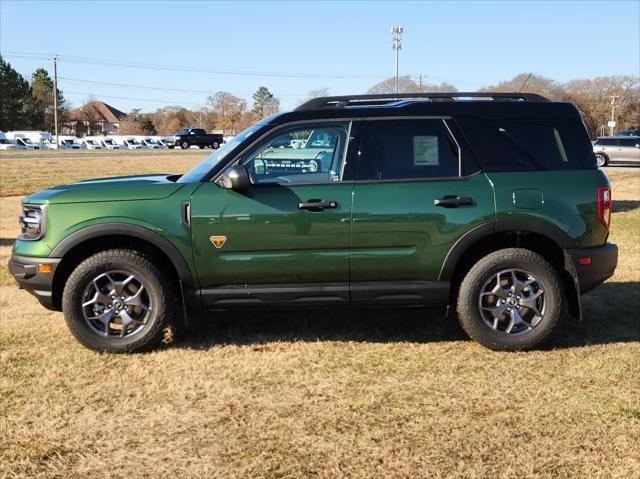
389,394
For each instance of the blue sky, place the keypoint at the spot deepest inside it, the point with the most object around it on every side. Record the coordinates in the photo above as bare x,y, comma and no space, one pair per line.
469,44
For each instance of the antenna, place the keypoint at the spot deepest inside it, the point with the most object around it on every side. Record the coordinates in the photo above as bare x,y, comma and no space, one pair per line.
525,82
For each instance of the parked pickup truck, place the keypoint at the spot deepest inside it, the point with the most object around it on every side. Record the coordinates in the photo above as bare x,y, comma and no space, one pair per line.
188,137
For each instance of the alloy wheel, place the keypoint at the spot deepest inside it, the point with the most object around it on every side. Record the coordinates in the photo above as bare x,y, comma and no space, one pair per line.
512,302
116,303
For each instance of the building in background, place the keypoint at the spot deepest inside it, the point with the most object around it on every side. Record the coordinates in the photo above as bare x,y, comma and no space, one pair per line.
93,118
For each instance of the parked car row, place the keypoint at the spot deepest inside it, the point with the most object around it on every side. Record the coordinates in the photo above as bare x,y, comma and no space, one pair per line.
42,140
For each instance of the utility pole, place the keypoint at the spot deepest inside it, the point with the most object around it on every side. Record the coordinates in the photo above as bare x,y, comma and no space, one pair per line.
613,114
55,99
396,44
420,84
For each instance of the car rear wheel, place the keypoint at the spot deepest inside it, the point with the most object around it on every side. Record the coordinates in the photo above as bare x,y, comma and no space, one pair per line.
215,145
510,300
601,160
119,301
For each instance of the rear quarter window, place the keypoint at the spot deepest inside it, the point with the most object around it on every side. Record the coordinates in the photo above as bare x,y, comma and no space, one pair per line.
528,145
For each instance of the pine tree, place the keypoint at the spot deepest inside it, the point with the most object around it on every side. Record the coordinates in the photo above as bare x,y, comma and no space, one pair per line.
16,102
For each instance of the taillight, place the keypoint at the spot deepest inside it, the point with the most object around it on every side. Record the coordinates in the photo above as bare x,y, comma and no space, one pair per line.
604,205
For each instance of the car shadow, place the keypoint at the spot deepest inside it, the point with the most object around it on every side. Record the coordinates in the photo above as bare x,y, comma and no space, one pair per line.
414,325
610,316
620,206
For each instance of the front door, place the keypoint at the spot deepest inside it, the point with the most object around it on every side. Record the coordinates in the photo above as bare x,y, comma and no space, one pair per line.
412,201
286,238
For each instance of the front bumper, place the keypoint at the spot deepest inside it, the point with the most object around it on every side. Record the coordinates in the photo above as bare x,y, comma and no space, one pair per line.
603,262
25,271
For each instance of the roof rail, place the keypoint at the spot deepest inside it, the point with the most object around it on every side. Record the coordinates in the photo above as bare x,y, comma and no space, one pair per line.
387,98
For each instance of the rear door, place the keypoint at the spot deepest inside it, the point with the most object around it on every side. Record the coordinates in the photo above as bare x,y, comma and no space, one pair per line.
630,149
413,199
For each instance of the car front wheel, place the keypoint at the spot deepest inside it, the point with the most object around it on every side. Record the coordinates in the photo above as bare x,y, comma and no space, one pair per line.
119,301
512,299
185,145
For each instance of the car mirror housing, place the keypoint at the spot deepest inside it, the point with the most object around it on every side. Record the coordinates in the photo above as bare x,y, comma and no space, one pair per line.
236,178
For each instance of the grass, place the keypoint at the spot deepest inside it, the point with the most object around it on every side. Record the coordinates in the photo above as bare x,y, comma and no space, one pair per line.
25,172
387,393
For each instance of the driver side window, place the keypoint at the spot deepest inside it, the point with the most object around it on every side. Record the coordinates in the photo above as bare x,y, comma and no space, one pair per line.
312,153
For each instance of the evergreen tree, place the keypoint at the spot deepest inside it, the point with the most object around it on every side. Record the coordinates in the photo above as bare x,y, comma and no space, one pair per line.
16,102
264,103
42,93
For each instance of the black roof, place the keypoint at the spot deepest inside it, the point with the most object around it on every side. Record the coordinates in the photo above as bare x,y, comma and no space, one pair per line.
479,104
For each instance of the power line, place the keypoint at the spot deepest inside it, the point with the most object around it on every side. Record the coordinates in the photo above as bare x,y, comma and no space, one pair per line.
151,66
123,64
179,90
135,99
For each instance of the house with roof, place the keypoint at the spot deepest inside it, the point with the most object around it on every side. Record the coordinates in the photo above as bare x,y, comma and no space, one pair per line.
92,118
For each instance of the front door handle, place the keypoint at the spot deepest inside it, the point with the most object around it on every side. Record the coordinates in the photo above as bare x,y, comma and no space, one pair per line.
317,205
450,201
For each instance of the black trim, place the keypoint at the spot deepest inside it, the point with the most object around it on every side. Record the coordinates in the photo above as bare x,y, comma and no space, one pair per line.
24,269
499,226
536,226
604,260
275,295
186,276
326,294
400,292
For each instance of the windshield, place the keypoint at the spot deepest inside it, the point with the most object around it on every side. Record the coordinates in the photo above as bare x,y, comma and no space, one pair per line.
27,141
92,142
108,142
132,141
201,169
151,141
4,142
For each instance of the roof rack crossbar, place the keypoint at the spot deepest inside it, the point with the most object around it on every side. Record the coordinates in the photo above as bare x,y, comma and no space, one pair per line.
387,98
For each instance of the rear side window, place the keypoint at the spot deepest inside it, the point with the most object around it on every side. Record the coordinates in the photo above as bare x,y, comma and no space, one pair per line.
407,149
607,142
629,141
528,145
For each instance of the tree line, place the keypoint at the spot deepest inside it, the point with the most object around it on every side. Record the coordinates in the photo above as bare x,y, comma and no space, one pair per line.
28,105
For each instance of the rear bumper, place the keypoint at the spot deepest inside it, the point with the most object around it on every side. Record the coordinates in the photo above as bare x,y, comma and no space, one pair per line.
604,260
25,271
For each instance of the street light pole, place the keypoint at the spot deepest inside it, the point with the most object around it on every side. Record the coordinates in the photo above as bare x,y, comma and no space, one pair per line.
396,44
613,113
55,99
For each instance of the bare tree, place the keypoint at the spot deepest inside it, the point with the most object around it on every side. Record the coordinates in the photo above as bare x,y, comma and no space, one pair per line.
228,109
407,85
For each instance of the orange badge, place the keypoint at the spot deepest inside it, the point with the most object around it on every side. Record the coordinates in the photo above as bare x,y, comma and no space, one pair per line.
218,241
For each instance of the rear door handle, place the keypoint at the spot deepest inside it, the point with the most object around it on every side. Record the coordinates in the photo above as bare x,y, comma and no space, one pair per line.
317,205
453,201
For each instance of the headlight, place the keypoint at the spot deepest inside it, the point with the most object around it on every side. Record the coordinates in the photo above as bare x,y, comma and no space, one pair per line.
32,222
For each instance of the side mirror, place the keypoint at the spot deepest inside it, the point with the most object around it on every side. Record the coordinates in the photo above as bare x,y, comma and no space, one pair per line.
236,178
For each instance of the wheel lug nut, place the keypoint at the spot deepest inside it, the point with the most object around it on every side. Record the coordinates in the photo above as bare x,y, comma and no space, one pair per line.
508,309
109,306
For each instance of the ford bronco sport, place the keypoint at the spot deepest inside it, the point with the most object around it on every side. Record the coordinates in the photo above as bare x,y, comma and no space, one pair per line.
488,202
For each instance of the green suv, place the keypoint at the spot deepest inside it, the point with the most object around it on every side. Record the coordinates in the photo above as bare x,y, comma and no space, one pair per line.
489,203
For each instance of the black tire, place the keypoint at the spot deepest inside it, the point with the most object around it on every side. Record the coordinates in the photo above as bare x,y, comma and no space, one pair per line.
159,326
468,307
184,145
601,159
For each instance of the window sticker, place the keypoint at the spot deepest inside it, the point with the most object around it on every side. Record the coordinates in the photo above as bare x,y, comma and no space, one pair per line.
425,151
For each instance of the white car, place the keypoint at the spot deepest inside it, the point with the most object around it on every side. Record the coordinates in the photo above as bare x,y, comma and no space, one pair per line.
128,142
150,142
92,144
6,144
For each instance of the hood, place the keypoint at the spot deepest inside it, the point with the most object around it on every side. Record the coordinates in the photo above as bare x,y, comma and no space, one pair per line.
120,188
